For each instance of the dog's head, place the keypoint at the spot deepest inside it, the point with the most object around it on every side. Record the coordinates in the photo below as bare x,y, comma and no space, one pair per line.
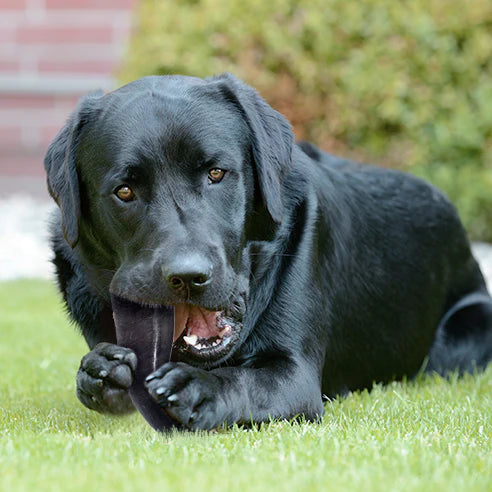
161,184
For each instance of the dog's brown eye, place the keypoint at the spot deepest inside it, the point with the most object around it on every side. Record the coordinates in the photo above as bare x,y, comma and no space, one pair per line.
125,193
215,175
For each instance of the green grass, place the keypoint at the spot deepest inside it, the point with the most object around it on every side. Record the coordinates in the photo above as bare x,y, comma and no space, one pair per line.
430,434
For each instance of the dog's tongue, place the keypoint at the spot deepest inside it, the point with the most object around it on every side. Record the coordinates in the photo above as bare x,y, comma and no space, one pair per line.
196,321
148,331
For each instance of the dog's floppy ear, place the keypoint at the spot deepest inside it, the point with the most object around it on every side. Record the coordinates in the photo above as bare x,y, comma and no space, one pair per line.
272,140
61,171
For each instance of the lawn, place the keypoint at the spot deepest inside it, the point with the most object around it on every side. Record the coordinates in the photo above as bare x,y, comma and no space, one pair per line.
430,434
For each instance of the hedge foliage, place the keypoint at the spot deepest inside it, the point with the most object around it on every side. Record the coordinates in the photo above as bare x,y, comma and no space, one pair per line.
406,84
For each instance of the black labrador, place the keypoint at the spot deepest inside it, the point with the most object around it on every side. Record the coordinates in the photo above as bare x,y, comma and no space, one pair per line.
295,275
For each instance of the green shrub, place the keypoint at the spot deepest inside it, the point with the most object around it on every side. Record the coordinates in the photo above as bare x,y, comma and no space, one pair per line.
406,84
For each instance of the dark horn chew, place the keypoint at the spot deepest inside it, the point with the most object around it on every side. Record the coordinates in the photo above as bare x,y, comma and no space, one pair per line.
148,331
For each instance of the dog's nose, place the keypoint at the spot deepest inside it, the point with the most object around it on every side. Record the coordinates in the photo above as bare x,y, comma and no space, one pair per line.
191,271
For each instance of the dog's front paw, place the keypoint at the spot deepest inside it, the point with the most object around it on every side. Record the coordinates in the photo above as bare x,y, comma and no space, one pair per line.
191,396
104,376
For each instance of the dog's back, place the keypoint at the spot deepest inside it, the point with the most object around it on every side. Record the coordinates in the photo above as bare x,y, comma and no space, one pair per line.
431,235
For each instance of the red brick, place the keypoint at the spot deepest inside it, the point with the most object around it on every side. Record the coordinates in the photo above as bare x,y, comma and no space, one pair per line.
13,4
9,65
64,35
6,34
90,4
28,118
26,101
37,52
22,164
10,137
48,133
67,103
77,66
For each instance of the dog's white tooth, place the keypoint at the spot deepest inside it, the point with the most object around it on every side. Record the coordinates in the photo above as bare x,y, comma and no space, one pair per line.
199,346
226,329
191,340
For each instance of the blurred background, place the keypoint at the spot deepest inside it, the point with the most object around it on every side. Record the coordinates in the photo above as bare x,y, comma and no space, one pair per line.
51,53
403,84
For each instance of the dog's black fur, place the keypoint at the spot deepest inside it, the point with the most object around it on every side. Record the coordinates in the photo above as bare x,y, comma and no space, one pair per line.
338,275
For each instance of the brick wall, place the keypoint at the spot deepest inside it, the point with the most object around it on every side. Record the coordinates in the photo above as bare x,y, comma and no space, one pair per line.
51,53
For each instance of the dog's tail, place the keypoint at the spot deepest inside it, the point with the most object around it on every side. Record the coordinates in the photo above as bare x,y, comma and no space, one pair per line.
463,340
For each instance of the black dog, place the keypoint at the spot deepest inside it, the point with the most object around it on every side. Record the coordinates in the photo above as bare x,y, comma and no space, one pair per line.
294,274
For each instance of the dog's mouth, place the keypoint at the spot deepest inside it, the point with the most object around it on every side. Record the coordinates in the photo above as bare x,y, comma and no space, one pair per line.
201,335
205,334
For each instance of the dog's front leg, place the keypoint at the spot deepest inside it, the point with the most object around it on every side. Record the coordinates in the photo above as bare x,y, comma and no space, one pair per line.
200,399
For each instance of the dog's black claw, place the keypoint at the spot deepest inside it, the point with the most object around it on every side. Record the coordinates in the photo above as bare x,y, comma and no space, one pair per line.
122,376
173,399
131,359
